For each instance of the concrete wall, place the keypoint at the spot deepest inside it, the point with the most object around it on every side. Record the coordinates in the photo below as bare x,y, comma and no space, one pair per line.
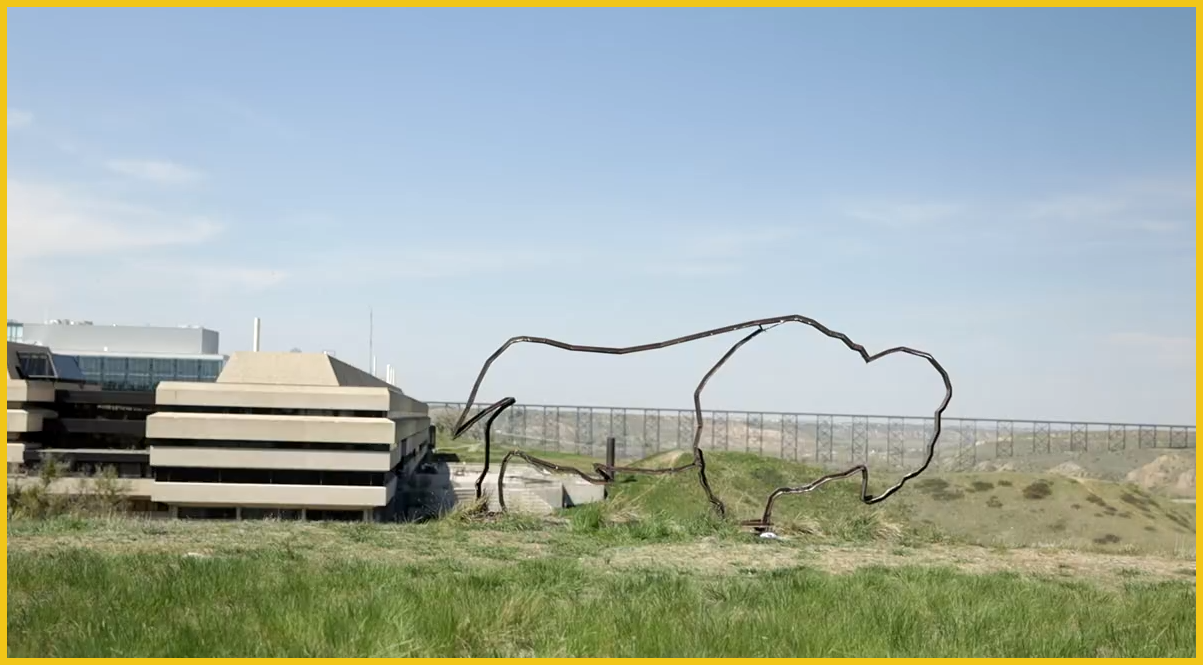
301,429
82,339
273,496
301,460
23,392
21,421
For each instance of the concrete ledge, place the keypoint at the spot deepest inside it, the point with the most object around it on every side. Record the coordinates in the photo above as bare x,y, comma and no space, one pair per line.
305,429
301,460
16,453
30,391
577,493
273,496
21,421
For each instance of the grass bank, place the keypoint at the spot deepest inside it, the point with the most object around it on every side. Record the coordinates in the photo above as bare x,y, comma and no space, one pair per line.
956,565
272,603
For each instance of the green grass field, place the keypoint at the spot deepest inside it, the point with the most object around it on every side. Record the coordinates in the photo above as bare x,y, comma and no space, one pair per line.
953,568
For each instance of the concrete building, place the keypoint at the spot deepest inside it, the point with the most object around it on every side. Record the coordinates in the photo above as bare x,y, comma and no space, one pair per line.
128,357
285,434
291,435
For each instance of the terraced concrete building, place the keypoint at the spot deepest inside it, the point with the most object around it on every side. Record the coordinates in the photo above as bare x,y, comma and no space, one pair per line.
285,434
292,435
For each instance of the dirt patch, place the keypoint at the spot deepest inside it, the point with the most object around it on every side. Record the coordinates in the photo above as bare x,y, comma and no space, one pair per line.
664,460
733,558
1069,470
1174,474
1025,561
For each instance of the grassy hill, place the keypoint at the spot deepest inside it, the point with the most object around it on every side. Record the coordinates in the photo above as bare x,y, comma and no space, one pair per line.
999,509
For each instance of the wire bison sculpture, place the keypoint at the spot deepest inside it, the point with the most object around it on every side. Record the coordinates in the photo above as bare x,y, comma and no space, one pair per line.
605,473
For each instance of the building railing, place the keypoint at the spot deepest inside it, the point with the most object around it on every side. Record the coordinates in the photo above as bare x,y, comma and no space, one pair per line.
827,440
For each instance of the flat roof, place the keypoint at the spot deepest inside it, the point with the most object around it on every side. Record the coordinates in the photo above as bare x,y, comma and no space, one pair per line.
123,354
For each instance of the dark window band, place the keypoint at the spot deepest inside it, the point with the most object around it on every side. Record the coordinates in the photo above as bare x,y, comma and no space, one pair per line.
270,445
168,474
262,411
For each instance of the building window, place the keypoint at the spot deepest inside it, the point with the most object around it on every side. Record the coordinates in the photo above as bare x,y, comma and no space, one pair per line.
35,365
187,369
144,374
209,369
113,372
93,368
164,474
16,331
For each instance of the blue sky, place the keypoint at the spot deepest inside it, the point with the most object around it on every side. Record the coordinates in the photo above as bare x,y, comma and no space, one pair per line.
1011,190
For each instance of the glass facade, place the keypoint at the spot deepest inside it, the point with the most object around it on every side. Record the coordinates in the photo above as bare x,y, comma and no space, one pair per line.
42,365
16,332
124,373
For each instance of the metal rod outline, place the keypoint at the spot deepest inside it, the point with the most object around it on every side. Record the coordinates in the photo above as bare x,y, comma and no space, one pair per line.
605,473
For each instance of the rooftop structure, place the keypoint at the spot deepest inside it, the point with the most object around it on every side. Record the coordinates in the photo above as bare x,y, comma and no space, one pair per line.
120,357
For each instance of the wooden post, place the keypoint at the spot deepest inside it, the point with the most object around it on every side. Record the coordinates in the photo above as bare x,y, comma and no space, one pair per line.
611,458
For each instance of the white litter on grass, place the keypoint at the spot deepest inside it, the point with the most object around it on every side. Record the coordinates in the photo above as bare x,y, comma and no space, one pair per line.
768,534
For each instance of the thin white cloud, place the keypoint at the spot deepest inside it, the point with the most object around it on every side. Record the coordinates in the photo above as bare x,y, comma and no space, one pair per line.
425,263
205,278
157,171
1073,208
1171,350
67,250
1155,226
1148,206
18,118
46,221
904,215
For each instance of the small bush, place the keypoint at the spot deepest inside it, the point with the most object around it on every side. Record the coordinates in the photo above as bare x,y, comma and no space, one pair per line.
105,495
